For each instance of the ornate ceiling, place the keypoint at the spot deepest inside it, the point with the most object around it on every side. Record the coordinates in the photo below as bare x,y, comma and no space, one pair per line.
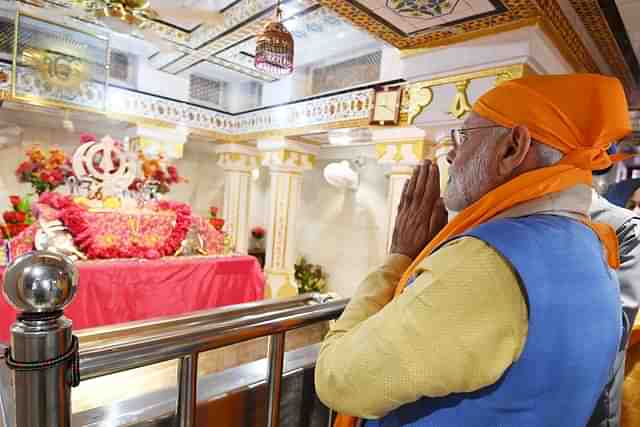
411,24
405,24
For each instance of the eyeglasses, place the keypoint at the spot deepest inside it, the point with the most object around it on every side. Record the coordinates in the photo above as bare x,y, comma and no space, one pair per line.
459,136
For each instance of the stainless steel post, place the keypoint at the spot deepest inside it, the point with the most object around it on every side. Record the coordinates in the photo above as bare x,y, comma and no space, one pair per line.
187,391
39,285
274,379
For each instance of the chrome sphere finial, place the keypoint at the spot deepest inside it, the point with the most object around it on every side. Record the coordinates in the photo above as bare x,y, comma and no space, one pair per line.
40,282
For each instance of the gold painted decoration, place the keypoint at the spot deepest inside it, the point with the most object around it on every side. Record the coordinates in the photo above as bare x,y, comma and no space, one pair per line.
596,24
461,104
418,98
57,69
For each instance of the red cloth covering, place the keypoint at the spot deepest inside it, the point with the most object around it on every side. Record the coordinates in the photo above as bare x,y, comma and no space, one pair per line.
112,292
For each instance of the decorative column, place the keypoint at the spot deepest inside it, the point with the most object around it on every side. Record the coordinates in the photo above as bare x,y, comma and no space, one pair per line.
402,155
237,161
286,162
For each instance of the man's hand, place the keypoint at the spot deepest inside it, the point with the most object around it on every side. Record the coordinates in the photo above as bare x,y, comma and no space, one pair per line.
421,213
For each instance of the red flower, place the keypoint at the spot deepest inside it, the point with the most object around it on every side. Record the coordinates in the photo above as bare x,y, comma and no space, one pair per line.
57,177
10,217
173,174
213,211
87,137
55,200
24,167
159,175
74,219
21,217
258,232
12,230
136,185
20,228
15,201
217,223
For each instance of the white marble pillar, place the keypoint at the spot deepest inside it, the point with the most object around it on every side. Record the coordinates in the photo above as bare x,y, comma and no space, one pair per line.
286,162
402,154
237,161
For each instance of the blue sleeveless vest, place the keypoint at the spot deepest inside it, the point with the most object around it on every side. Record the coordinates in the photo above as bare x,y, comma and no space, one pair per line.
574,332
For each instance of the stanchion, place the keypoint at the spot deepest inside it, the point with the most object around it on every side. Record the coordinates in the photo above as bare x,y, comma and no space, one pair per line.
43,352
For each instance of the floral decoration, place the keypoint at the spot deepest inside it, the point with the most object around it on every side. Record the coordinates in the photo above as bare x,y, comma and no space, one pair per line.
216,222
310,277
18,219
44,171
258,233
97,244
157,171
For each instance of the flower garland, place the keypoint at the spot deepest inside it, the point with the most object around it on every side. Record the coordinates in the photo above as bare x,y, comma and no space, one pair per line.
73,216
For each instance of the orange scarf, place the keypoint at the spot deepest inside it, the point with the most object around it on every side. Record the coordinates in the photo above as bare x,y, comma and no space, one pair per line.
580,115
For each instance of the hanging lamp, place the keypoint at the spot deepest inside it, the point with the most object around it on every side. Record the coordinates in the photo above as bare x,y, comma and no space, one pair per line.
274,47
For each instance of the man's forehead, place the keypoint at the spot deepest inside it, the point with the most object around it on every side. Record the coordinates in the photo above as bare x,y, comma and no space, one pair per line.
475,120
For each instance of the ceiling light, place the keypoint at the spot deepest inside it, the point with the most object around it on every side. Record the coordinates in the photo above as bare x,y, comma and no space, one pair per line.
274,47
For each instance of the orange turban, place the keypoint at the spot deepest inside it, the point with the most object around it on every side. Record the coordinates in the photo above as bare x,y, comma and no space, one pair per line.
581,115
578,114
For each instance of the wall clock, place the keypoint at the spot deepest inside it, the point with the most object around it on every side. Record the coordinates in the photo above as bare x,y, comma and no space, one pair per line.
386,107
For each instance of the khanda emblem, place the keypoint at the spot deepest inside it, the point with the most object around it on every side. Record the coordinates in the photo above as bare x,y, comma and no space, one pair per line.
57,69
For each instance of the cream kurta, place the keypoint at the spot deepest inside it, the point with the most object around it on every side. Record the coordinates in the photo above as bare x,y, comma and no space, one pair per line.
460,325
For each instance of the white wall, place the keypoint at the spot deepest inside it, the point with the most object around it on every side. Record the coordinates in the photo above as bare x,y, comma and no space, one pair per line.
206,179
164,84
342,230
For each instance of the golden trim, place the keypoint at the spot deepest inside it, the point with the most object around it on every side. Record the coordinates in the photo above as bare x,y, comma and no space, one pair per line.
516,70
418,98
419,150
461,104
460,38
596,24
516,12
381,150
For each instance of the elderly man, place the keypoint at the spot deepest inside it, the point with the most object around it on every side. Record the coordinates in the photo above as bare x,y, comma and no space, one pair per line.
511,314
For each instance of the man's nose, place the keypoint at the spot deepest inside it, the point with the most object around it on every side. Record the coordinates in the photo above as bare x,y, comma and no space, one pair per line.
451,155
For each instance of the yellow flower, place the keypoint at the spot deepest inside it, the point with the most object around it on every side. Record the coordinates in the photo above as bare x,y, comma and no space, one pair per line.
35,154
111,203
82,201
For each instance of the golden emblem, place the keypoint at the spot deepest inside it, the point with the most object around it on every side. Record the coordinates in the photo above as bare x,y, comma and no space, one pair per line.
57,69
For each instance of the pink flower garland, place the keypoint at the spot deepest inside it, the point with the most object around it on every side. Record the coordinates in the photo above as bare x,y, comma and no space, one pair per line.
73,217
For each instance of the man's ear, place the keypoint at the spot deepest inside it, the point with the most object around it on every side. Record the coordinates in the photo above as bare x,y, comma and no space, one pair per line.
513,150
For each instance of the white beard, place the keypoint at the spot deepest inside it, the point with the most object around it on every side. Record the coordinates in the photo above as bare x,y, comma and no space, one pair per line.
467,187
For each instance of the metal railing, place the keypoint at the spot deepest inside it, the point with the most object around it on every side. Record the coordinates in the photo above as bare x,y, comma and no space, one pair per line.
110,350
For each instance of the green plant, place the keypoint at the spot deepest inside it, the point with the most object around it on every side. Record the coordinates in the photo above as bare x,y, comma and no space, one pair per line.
310,277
